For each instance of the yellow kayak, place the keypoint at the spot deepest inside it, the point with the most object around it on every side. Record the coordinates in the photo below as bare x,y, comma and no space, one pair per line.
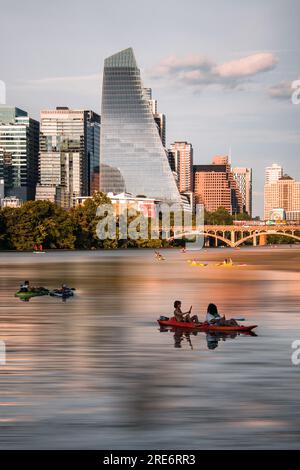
197,264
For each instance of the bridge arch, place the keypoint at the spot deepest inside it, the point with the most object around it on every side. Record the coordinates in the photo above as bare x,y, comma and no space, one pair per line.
252,235
205,234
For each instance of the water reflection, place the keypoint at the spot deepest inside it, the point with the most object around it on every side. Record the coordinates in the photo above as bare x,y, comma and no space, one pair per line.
183,337
95,372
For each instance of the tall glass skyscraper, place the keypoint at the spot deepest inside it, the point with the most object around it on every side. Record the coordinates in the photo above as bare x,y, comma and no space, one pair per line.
133,158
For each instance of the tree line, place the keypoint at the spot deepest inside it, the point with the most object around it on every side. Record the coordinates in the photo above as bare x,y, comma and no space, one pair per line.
44,223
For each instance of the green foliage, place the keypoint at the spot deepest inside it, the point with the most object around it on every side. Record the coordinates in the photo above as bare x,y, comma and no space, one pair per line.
37,222
220,217
243,216
44,223
84,219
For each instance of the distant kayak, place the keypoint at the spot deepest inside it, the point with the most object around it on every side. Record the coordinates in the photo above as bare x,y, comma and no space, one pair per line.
198,264
66,293
205,326
29,294
230,265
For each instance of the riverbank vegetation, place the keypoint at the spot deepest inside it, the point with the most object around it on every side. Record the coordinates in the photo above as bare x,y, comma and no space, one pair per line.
44,223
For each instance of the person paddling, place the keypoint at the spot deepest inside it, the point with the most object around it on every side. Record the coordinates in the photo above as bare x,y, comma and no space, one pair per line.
183,316
214,318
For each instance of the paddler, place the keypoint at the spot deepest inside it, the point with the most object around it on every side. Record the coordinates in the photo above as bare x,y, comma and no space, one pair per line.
183,316
214,318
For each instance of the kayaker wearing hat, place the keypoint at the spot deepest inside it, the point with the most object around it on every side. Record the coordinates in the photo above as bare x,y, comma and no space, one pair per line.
183,317
214,318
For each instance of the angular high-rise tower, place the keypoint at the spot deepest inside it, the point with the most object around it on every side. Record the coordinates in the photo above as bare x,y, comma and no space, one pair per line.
132,155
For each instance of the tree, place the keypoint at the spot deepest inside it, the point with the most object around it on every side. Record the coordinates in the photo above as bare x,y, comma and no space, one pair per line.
243,216
85,220
220,217
38,222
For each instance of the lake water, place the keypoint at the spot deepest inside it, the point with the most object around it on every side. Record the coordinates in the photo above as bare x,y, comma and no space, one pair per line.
95,372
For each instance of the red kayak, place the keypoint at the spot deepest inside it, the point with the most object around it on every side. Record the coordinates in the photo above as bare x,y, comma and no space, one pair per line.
205,326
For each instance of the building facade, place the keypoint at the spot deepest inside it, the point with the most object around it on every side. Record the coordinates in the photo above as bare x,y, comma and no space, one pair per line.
183,163
243,177
19,149
215,186
133,158
69,159
284,194
273,173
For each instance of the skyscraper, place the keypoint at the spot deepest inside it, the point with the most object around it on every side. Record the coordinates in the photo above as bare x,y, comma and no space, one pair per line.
283,193
243,177
69,155
133,158
273,173
19,148
183,156
215,186
159,118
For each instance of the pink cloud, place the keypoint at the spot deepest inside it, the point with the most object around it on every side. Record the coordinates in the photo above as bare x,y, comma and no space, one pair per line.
247,66
199,71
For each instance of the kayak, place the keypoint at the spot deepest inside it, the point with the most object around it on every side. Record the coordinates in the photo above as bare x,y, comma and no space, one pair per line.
205,326
29,294
197,264
58,293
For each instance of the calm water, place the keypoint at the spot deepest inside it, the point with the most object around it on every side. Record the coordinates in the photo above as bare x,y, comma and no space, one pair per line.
95,372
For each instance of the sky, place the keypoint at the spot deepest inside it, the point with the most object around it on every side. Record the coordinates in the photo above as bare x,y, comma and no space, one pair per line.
221,70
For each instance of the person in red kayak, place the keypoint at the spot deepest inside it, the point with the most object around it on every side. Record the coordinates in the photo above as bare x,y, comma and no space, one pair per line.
214,318
183,317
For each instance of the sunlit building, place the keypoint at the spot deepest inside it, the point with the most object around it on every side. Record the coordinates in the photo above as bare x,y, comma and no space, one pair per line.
215,186
273,173
183,163
133,158
284,194
243,177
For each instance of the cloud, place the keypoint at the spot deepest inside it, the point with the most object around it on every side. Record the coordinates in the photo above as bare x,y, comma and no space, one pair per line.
284,90
78,83
199,71
248,66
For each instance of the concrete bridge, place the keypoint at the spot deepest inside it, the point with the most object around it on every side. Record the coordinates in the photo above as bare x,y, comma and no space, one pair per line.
235,235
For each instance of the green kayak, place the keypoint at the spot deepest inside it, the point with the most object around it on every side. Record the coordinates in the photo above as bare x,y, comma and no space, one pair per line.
29,294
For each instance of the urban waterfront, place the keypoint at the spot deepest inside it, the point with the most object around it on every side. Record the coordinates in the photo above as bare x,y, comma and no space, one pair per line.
95,372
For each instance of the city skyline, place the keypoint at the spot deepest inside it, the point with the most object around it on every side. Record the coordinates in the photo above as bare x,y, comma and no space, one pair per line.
238,97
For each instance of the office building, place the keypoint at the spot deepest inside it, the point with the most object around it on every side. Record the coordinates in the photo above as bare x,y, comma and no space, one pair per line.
69,158
133,158
215,186
159,118
19,148
11,201
243,177
284,194
183,163
273,173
